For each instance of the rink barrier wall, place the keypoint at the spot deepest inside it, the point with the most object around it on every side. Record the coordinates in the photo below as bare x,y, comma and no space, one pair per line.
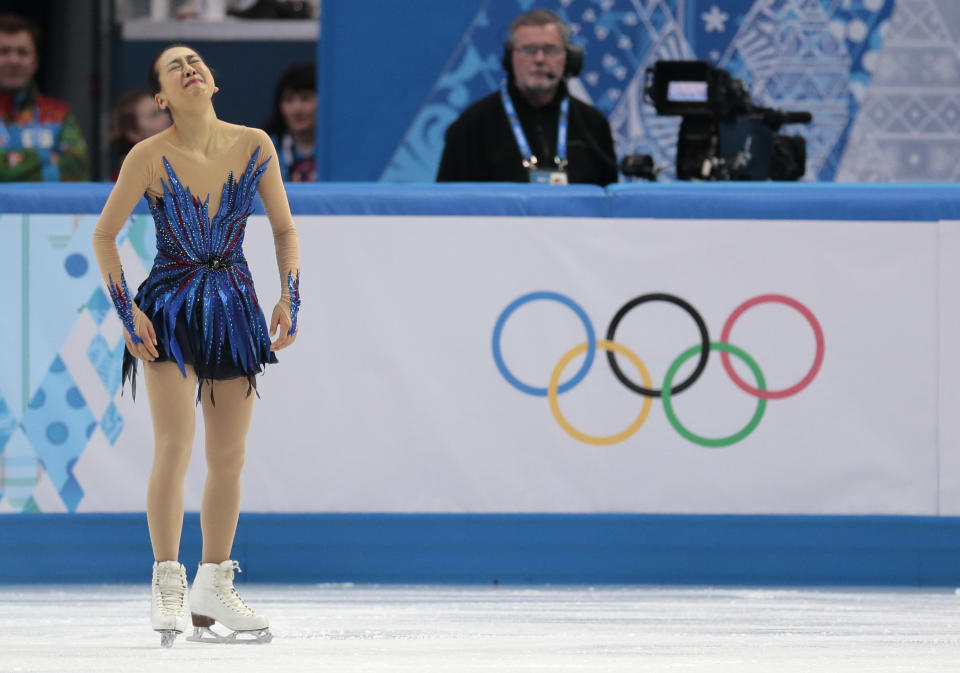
515,547
806,201
506,549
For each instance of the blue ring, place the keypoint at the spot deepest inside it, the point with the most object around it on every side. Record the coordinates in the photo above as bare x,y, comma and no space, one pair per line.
498,330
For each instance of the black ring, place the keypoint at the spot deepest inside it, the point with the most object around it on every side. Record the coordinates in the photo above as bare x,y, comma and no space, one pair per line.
704,341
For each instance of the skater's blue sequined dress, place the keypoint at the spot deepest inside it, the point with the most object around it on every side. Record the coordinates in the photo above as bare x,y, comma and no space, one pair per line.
199,293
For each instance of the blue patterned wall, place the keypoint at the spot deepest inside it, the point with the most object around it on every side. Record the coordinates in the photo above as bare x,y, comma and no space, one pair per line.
882,77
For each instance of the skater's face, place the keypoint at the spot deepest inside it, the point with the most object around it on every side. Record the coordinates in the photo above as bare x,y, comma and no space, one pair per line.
184,78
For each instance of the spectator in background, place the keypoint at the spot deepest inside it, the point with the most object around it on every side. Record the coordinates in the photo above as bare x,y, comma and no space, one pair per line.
293,124
134,117
516,134
39,137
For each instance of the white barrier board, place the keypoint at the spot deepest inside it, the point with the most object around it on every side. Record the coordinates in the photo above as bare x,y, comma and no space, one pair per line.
397,397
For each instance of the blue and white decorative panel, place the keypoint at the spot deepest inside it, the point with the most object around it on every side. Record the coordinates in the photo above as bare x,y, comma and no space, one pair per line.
61,377
8,425
58,424
846,61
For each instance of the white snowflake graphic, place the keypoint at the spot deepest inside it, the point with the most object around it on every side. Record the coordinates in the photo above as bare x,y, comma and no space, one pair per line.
715,20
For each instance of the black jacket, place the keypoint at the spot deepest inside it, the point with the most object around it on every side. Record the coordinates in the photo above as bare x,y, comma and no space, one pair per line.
480,146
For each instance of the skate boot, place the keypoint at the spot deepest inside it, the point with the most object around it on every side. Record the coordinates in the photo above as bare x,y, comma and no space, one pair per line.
168,605
214,599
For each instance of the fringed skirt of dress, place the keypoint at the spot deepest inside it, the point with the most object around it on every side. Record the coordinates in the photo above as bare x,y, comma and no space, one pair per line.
199,294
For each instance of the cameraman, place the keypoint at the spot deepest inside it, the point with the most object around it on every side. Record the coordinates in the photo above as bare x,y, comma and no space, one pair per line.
532,130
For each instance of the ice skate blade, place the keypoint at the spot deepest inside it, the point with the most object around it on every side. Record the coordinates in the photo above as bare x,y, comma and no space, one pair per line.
167,636
202,634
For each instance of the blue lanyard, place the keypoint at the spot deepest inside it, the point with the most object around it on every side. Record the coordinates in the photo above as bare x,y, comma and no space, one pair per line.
529,160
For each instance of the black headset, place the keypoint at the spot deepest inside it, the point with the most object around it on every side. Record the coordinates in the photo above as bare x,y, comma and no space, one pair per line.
571,68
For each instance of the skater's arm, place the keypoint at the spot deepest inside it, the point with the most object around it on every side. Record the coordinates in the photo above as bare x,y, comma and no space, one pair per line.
287,245
131,184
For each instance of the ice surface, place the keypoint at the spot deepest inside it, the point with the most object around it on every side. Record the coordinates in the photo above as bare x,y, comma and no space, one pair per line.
455,629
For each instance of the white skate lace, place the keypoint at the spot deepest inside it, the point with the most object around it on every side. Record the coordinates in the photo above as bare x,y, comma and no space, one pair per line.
228,594
172,589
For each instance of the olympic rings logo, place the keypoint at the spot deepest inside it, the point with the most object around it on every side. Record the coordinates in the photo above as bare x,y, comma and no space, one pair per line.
668,389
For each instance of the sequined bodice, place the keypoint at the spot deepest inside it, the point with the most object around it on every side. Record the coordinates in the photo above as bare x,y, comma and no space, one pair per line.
187,240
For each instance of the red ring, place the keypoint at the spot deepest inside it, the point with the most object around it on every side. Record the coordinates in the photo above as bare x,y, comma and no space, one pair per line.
817,360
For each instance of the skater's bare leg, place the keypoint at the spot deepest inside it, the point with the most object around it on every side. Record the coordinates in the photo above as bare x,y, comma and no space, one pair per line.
172,408
227,423
213,597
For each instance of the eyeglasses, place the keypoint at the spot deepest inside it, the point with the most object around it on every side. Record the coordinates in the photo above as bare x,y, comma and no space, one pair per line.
547,49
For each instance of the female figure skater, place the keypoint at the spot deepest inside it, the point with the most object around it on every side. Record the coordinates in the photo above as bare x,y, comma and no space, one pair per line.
197,325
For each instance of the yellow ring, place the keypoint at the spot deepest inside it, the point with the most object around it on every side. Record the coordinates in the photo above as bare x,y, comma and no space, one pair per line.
555,405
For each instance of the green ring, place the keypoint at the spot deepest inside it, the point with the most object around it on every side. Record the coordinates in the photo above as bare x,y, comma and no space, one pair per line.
707,441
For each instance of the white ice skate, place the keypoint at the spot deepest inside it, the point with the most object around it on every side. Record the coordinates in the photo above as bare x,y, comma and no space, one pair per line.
214,599
168,605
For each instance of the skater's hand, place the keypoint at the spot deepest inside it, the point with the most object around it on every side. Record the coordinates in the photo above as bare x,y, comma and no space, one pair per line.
281,319
147,349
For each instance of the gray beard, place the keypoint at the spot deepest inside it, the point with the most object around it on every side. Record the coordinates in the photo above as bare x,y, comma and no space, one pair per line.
541,89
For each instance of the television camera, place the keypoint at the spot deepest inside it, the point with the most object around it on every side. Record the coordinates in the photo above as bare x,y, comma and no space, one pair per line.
723,136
